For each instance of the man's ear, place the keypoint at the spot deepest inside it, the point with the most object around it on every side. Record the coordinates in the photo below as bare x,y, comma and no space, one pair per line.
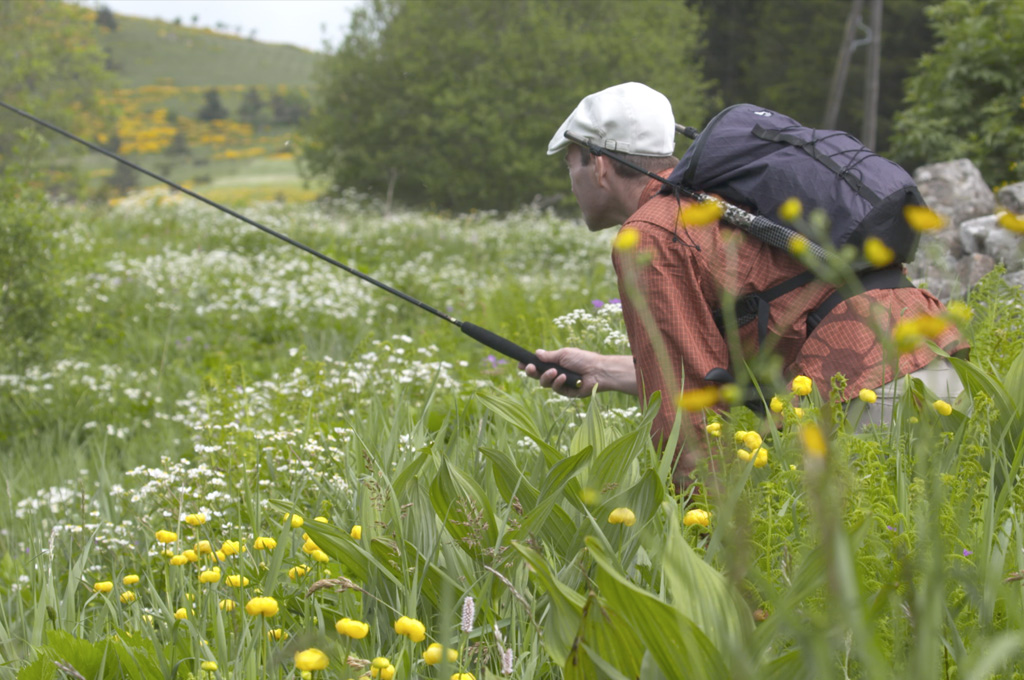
602,170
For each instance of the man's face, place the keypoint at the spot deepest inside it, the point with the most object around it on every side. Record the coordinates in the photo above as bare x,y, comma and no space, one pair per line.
589,189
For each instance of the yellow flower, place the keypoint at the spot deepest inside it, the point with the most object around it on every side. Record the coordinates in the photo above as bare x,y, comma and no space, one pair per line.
322,520
204,548
942,408
868,396
236,581
181,614
196,519
692,517
622,516
231,547
130,579
209,666
877,253
227,605
731,394
220,556
802,385
127,597
435,651
463,676
295,520
209,576
1008,220
309,547
699,214
357,532
714,429
776,405
165,536
277,634
296,572
751,440
627,239
320,556
744,455
311,659
798,412
380,662
798,245
920,218
959,312
264,543
760,457
356,630
739,435
411,628
384,673
178,560
791,209
698,399
813,440
261,606
190,555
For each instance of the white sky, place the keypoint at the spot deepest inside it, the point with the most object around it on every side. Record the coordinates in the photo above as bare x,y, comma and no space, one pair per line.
294,22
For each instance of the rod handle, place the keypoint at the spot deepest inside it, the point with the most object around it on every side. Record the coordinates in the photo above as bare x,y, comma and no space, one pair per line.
514,351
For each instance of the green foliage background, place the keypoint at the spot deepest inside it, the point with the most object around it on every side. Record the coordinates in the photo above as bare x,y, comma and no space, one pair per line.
454,102
781,54
967,97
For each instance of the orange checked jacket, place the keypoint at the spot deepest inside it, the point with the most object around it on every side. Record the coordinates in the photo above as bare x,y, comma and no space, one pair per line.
681,273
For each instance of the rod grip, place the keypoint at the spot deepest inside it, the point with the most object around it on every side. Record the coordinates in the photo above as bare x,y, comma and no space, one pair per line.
514,351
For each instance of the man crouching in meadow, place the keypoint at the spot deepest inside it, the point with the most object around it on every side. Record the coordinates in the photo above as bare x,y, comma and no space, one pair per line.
673,275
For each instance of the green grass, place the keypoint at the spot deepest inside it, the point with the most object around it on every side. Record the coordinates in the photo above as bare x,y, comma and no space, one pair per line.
196,365
146,51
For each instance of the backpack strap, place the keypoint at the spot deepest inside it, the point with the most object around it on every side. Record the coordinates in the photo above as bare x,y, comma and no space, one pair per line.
758,305
876,279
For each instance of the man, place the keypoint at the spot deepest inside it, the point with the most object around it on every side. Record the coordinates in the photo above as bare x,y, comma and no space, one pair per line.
672,279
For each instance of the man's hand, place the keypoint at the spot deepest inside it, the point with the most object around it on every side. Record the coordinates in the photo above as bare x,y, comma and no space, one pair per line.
606,372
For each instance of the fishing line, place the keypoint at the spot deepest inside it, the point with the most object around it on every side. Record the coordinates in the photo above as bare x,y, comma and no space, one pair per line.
481,335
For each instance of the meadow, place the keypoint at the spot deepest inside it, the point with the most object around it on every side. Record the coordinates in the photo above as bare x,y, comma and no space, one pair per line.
226,459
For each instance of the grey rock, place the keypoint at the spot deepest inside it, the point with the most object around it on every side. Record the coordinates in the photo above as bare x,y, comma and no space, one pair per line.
971,268
1015,279
1011,197
935,270
974,232
1006,248
955,189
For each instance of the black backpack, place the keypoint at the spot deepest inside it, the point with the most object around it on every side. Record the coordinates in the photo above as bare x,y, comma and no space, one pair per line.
755,157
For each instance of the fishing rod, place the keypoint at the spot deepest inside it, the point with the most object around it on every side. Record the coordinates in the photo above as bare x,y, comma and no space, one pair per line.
758,226
481,335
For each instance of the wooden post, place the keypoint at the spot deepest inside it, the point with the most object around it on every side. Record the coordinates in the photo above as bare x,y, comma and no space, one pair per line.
835,92
869,132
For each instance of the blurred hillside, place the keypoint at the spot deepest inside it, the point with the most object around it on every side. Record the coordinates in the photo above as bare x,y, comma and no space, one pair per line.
145,52
211,109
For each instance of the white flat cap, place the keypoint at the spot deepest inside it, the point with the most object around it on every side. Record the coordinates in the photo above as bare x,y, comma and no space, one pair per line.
628,118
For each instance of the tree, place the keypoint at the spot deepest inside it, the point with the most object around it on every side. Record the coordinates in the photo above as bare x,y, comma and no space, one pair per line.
452,103
251,106
780,54
179,144
212,109
106,18
290,107
53,67
965,99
